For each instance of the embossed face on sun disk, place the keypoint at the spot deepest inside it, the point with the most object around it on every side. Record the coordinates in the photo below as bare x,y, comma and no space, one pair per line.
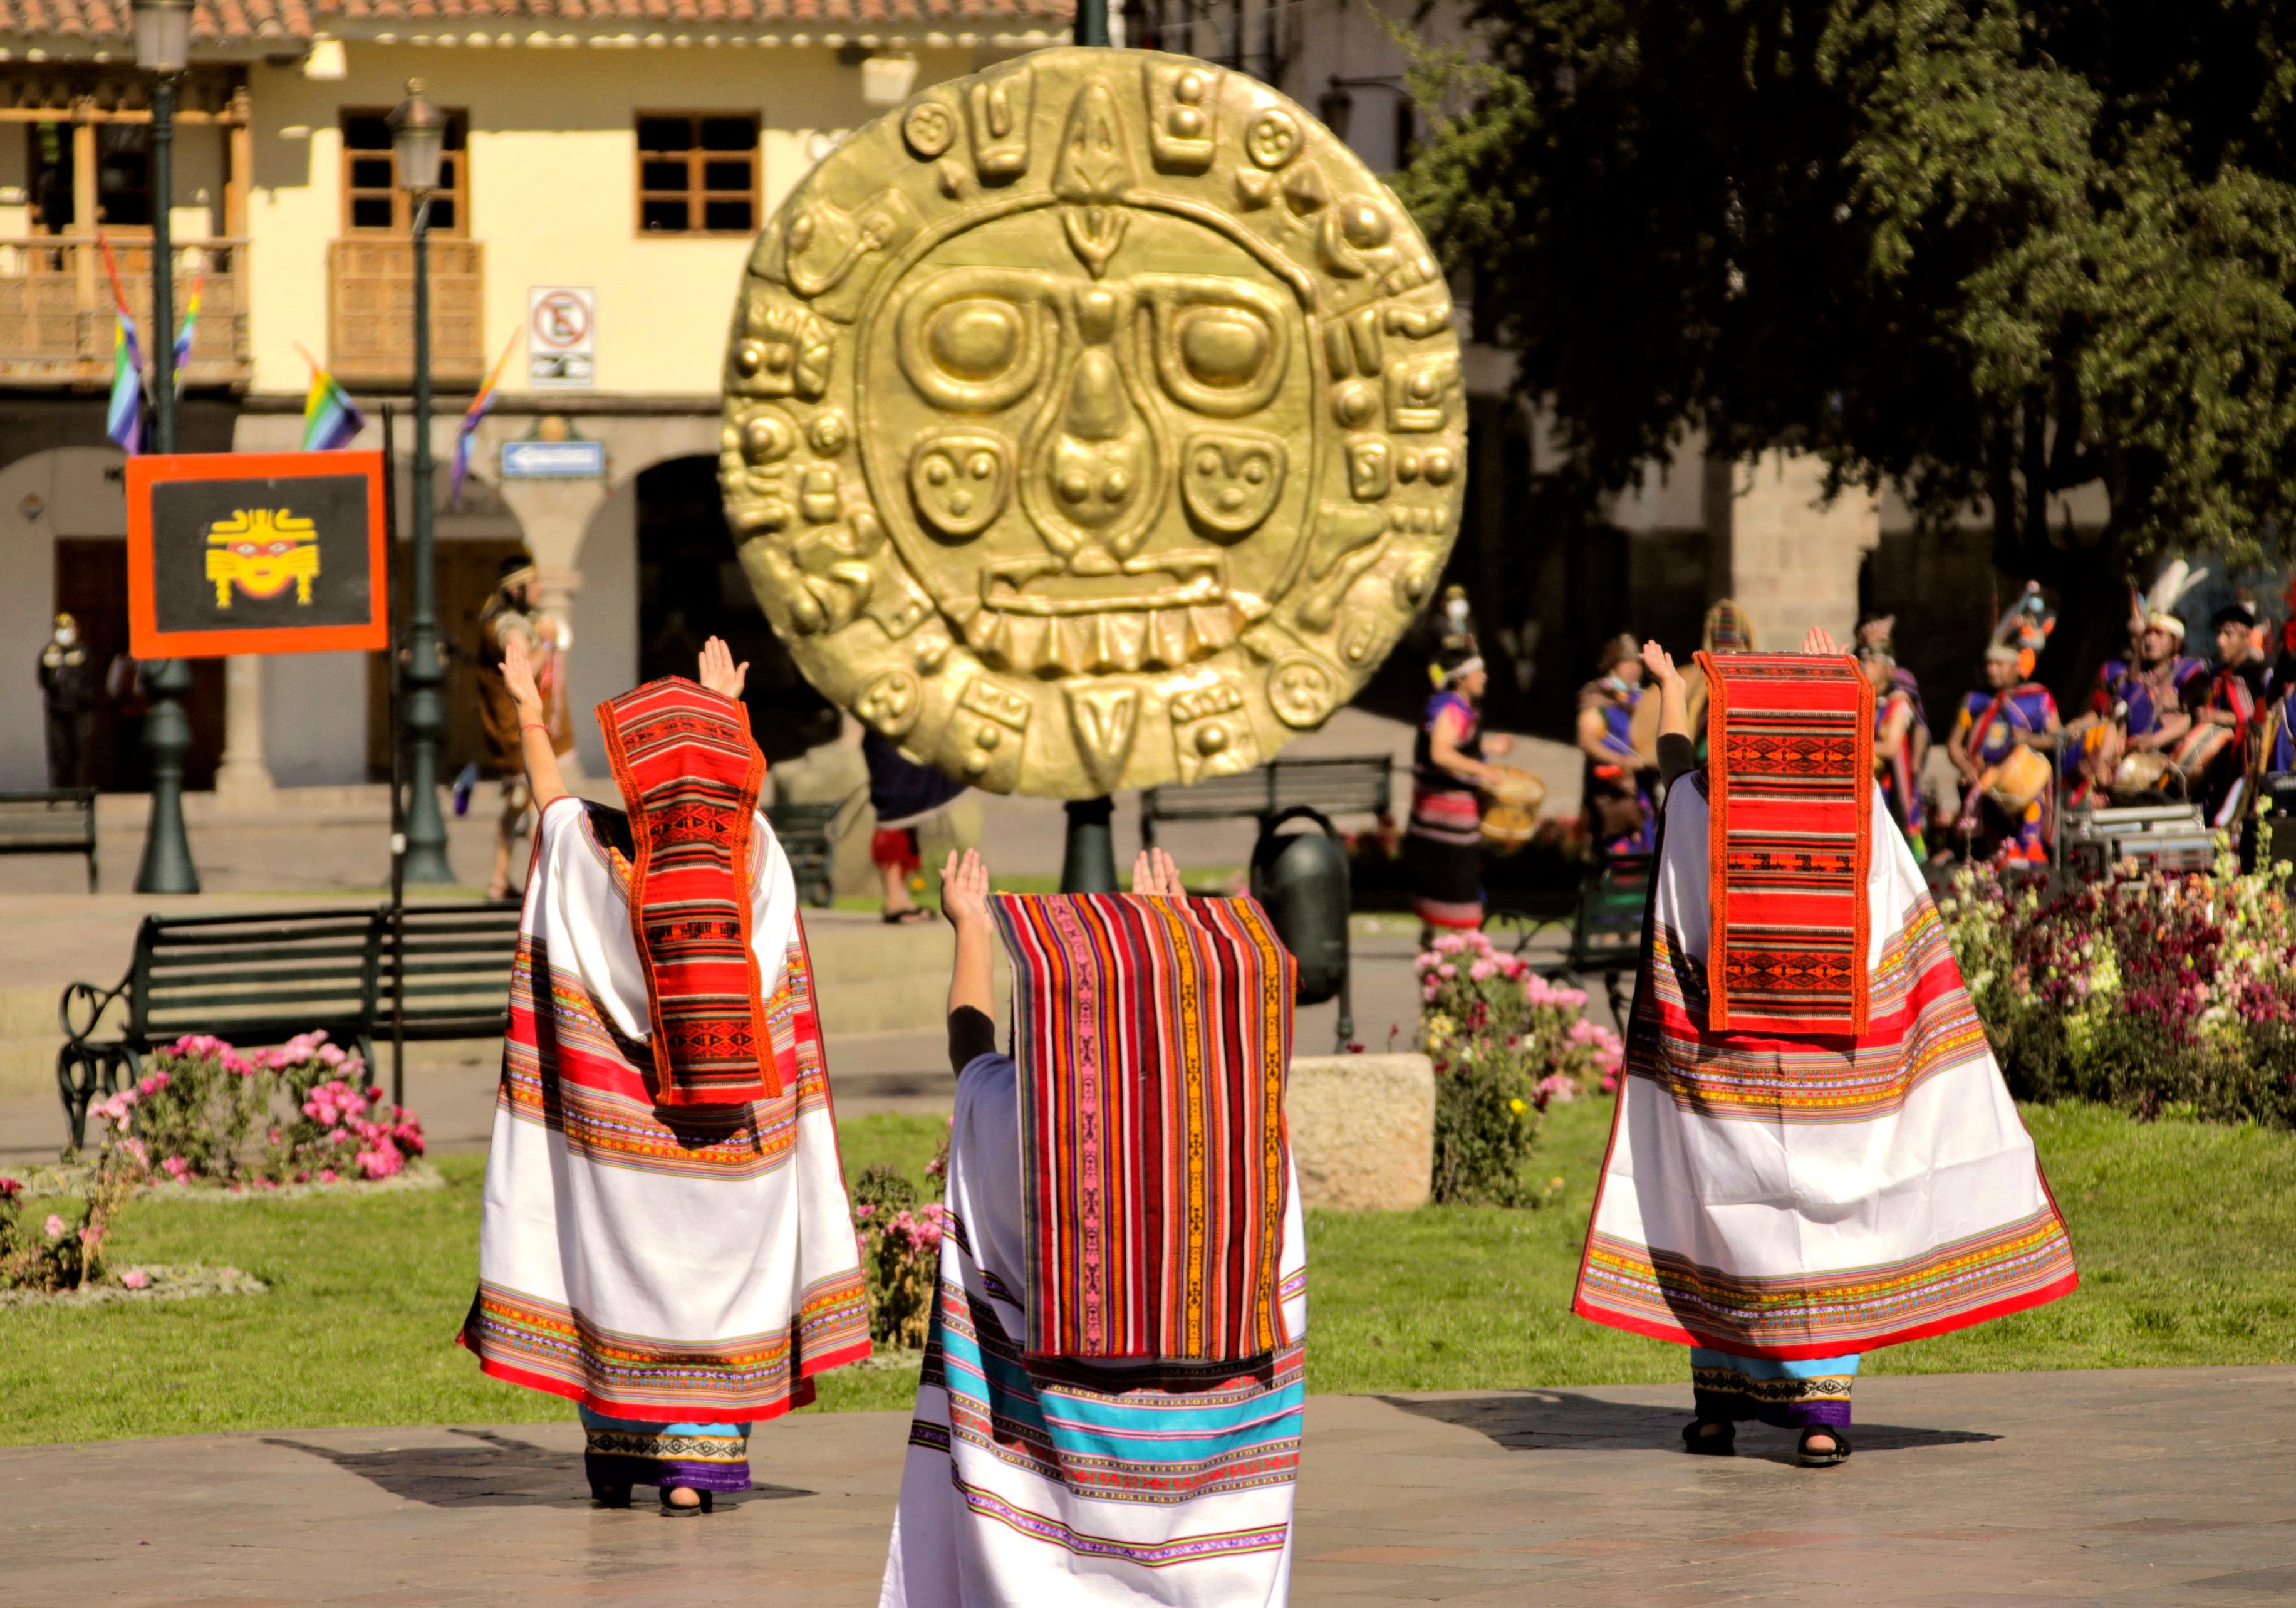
1092,422
1121,438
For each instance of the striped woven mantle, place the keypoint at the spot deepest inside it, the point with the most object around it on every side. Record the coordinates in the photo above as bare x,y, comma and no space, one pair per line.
1789,786
689,773
1152,1038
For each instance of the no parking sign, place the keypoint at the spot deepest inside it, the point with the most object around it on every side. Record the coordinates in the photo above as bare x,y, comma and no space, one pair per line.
561,337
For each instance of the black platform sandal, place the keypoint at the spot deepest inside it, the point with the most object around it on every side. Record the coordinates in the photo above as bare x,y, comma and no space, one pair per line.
672,1510
1810,1459
1710,1437
609,1495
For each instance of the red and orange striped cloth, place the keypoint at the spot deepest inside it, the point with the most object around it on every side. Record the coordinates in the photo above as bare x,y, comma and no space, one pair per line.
1790,785
1152,1038
689,772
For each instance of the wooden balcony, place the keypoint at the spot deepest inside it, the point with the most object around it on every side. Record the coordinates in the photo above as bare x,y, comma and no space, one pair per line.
56,309
370,312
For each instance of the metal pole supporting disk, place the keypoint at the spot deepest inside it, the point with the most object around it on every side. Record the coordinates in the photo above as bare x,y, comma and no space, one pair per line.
1088,863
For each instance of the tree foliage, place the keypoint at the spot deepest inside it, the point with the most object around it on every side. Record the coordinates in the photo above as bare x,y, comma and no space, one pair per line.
1993,252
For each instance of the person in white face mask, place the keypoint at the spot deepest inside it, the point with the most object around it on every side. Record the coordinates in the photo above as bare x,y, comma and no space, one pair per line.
68,682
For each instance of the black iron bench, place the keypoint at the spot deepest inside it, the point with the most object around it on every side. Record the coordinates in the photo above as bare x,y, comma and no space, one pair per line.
1358,785
803,830
261,979
58,821
1606,927
457,961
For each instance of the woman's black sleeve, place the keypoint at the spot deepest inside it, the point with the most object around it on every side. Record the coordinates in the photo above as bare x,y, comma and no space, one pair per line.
972,1034
1676,757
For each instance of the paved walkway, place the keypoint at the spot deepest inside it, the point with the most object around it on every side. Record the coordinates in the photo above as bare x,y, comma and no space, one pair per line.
2164,1486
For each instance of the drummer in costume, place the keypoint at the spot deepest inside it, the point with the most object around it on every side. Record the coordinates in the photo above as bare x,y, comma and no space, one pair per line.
1999,741
2229,723
1442,851
1899,742
2140,710
1814,1152
1617,789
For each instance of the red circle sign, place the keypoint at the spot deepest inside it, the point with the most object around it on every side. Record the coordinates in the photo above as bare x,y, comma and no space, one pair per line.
561,320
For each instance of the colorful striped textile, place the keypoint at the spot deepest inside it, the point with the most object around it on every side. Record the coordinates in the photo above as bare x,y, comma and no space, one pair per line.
1082,1484
467,432
1153,1036
689,772
183,330
1814,1394
1795,1197
698,1457
123,418
681,1265
1790,745
331,420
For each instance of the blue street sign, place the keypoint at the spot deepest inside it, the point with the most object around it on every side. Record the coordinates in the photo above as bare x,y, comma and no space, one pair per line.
554,460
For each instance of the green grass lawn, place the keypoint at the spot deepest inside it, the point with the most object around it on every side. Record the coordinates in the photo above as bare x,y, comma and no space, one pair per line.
2185,1232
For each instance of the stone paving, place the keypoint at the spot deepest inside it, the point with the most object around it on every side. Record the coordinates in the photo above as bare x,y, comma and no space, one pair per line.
2166,1487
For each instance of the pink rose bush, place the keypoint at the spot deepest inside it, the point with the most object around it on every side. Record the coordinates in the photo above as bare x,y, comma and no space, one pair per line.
62,1253
1507,1042
899,1238
2156,993
295,1113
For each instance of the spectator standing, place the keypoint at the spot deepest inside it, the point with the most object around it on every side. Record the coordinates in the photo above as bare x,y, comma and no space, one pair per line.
68,697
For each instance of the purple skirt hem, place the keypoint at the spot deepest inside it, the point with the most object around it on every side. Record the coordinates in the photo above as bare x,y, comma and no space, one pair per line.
615,1469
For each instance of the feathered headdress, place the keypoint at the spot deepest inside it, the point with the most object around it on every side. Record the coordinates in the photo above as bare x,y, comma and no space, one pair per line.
2177,579
2024,630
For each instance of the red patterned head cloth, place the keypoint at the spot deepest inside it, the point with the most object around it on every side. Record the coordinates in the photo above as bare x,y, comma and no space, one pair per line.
689,773
1152,1038
1789,789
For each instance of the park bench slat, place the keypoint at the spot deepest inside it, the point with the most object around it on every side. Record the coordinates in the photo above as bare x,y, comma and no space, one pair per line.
262,977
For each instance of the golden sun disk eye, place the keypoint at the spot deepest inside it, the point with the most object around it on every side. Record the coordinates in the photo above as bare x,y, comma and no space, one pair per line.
975,338
1224,347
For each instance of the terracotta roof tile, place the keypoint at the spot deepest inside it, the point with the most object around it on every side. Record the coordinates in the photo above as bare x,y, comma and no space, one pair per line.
251,22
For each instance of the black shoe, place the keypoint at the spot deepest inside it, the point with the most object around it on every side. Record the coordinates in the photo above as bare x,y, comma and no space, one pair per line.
671,1510
1710,1437
1810,1459
610,1496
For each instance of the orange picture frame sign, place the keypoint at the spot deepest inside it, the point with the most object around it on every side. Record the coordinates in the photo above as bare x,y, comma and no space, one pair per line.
256,553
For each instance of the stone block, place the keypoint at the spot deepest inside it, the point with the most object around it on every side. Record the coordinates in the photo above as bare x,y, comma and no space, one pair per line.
1363,1130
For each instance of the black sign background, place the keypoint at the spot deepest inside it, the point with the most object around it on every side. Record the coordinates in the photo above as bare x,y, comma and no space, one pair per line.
183,598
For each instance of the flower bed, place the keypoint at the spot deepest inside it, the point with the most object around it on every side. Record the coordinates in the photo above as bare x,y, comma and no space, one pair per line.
300,1113
2156,994
1505,1043
899,1236
59,1253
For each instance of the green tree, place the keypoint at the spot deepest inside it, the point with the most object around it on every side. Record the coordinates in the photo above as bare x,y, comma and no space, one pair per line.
1993,252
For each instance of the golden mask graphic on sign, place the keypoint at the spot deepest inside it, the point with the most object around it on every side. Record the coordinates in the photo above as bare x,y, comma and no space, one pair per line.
259,551
1093,422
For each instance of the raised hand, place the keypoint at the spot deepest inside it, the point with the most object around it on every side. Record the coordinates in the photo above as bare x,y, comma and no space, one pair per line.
1660,663
518,676
1819,641
1154,874
718,672
964,890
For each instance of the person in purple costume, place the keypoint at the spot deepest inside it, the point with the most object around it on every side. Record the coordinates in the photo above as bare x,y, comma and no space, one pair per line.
1619,798
2011,713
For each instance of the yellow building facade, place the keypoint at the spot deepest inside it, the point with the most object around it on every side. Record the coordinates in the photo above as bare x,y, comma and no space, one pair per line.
607,178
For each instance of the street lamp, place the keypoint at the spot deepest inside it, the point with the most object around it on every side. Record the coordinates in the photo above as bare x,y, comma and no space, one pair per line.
163,43
418,139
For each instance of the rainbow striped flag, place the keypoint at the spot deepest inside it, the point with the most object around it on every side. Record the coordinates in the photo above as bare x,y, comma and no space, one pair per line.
480,405
124,419
331,419
183,330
